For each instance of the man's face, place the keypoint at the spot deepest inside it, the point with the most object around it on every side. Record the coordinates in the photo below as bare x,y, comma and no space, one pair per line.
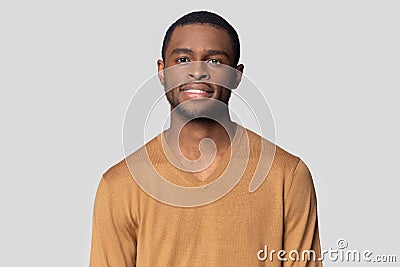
196,63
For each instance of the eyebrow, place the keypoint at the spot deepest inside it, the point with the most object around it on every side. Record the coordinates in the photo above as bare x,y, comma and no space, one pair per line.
208,53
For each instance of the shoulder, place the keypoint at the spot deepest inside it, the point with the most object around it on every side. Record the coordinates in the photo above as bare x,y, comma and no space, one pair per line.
120,174
281,157
284,164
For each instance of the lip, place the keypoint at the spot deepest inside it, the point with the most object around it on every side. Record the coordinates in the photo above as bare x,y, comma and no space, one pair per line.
197,86
195,90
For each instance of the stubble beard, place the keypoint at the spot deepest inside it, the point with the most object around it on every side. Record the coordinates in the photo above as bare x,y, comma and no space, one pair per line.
198,109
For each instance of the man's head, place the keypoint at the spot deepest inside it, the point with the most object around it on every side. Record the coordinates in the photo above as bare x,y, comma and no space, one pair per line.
209,18
212,45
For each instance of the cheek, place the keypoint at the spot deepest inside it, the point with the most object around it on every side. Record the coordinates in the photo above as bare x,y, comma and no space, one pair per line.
223,76
222,90
174,75
225,95
173,95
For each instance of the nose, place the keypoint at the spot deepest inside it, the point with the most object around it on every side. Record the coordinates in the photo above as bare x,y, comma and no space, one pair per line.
198,71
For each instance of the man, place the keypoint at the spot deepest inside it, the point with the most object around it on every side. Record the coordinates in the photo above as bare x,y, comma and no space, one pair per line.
194,219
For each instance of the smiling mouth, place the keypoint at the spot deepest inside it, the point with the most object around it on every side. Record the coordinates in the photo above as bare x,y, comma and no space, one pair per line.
194,90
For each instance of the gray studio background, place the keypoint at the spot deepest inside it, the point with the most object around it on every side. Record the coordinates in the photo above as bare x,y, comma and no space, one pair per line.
68,69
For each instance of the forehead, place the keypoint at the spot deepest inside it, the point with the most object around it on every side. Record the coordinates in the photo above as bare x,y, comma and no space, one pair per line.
200,37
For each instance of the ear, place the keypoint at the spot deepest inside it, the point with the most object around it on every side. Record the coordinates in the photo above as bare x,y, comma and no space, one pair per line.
160,67
238,75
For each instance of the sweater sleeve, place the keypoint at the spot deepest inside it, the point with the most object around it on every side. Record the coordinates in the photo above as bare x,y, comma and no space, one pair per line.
300,221
113,238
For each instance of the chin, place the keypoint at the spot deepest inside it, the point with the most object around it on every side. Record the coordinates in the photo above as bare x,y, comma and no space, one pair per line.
192,112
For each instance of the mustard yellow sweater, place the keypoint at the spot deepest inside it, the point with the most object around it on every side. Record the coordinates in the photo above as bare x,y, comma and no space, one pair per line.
131,228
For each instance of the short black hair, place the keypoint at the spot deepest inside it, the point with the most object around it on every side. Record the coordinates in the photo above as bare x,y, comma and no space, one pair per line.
204,17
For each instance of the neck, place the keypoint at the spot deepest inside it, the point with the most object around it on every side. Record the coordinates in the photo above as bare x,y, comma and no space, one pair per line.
186,137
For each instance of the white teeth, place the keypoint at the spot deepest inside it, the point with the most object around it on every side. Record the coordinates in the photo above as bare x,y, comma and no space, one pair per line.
196,91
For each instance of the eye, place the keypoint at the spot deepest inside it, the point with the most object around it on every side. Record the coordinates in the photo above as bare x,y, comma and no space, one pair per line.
213,61
182,60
